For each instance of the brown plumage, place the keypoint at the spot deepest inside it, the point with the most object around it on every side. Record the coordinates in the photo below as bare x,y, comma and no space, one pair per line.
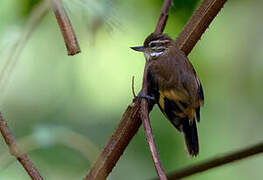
173,83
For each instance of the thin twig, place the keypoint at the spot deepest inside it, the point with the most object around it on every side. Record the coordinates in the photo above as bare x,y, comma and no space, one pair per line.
148,130
217,161
133,91
16,151
65,27
131,121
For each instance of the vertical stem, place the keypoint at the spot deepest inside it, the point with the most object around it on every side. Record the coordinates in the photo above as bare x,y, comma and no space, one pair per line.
163,17
144,104
148,129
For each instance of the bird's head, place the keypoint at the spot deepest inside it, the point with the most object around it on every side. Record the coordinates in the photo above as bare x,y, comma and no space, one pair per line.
154,46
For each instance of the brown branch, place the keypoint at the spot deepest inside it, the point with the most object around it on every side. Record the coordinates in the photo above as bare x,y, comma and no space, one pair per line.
16,151
217,161
148,130
65,27
131,120
198,23
116,145
163,17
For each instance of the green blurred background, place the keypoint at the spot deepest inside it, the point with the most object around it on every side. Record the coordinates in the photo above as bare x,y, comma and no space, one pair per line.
63,109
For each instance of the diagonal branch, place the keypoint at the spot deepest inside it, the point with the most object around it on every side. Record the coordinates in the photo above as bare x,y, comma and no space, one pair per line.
65,27
16,151
131,120
217,161
163,17
117,142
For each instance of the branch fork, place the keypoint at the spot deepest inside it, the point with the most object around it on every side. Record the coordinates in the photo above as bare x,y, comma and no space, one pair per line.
137,113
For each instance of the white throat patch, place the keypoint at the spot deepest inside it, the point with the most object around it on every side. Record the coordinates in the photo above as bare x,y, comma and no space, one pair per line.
152,54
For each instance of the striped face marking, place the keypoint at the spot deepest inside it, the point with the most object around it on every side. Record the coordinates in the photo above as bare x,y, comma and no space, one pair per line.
155,49
156,54
150,55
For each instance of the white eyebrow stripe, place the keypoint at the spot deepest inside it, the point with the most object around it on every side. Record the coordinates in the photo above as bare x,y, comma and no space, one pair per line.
160,41
165,41
156,41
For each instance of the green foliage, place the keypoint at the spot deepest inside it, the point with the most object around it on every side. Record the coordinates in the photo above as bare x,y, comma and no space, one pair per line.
184,8
26,6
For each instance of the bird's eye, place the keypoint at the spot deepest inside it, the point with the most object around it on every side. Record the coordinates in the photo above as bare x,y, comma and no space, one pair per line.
153,44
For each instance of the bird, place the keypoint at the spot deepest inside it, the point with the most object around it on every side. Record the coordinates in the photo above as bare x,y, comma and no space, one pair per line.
173,84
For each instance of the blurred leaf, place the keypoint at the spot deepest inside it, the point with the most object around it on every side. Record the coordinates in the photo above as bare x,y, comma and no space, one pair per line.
26,6
183,9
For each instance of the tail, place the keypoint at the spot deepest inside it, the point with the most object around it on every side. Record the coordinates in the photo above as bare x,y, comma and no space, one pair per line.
191,137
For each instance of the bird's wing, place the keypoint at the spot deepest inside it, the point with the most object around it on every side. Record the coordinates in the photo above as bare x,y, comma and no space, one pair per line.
177,104
173,106
182,94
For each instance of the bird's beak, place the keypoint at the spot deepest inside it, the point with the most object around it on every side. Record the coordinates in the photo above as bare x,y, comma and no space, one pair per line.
138,48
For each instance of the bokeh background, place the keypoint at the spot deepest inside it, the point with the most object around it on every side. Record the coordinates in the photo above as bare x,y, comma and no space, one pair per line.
63,109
